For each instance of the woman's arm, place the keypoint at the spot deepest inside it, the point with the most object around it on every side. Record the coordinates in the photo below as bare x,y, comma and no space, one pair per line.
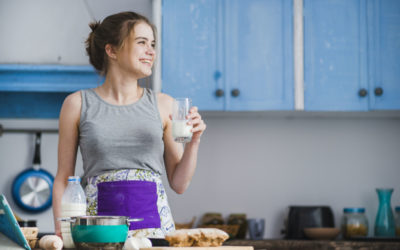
67,150
180,163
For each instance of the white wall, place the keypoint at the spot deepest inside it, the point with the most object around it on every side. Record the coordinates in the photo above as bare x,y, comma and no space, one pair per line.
261,165
248,163
46,31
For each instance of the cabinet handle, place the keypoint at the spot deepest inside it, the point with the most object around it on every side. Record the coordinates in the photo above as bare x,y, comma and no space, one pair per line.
362,92
219,92
235,92
378,91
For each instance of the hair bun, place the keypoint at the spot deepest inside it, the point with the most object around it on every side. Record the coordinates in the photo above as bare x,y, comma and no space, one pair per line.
94,25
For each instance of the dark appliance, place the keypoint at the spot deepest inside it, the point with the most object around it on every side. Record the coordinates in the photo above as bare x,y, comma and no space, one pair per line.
300,217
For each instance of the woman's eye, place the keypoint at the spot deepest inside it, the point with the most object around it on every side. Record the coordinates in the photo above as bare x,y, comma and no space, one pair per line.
153,45
142,42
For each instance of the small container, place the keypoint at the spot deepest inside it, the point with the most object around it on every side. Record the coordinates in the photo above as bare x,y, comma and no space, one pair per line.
212,219
354,223
239,219
397,220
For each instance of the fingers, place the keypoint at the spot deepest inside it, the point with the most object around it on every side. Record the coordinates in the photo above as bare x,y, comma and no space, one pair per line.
193,109
200,127
193,113
196,121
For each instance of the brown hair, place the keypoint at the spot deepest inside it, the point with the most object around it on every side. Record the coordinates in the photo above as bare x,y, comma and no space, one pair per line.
113,30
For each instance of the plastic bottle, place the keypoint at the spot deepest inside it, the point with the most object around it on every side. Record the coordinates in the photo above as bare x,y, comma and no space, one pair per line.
73,203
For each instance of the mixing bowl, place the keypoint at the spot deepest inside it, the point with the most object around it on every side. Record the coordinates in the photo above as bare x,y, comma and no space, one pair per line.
99,232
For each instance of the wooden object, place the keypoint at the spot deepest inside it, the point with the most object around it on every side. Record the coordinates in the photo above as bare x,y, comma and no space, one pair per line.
201,248
30,232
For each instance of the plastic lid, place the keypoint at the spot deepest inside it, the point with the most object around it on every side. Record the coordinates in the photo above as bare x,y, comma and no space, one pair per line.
74,178
353,210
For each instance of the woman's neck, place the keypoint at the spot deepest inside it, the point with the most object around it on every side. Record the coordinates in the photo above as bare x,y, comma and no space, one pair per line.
119,89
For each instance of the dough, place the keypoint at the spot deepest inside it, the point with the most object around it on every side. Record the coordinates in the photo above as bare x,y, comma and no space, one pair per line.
200,237
51,242
135,243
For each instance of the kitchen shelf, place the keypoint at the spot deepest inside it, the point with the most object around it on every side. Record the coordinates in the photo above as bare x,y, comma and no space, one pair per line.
47,78
38,91
281,244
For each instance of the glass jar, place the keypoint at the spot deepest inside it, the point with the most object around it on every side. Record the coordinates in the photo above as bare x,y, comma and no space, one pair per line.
397,220
239,219
354,223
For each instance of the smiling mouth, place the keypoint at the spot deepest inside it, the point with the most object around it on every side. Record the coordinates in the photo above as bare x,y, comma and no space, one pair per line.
146,61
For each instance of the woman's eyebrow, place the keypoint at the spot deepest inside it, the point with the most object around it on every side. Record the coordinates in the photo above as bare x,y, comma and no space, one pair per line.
142,37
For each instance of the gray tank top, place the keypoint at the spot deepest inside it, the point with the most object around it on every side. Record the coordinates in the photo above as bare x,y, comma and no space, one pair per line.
116,137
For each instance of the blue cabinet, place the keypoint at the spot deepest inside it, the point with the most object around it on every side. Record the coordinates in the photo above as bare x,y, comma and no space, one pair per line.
229,54
384,54
38,91
352,55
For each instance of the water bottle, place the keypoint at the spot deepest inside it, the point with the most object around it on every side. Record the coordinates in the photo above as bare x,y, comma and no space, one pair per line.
73,203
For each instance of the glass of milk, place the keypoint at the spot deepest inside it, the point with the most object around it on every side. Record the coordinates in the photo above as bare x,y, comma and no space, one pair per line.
181,131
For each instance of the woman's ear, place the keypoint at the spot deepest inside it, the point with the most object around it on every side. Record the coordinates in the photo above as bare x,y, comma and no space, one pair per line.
110,51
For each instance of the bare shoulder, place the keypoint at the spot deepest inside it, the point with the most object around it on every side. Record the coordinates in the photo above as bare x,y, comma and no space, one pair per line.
164,102
165,107
164,99
72,106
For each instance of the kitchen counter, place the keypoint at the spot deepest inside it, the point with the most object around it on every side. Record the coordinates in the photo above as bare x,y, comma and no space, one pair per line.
281,244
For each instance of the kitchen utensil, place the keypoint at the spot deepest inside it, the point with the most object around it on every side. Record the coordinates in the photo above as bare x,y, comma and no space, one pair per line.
322,233
9,225
256,228
301,217
32,189
99,232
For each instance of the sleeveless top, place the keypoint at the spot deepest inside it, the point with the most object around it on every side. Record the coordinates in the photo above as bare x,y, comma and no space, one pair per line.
113,137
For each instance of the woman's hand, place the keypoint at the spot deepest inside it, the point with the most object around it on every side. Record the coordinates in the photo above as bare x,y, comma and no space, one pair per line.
198,124
58,232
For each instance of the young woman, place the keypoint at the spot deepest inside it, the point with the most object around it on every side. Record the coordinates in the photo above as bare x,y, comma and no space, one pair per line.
124,132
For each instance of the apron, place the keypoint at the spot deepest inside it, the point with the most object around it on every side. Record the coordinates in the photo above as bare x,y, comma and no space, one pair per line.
135,193
135,199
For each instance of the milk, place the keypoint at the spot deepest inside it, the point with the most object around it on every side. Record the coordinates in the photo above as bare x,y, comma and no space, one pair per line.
70,210
181,131
73,203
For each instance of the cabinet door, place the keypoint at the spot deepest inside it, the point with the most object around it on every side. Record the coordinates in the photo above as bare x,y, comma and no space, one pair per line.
189,51
259,54
335,50
384,43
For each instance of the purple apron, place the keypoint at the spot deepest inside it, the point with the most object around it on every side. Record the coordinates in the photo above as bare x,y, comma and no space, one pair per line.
135,199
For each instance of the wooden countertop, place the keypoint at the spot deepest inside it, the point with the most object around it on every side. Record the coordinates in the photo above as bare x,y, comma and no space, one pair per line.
282,244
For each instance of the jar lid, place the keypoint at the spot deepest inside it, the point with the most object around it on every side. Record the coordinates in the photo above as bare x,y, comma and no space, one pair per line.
74,178
353,210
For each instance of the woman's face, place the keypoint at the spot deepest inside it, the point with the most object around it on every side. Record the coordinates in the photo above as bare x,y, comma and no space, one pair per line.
137,53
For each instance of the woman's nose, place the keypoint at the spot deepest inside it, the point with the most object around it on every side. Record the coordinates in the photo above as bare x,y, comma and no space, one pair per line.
150,50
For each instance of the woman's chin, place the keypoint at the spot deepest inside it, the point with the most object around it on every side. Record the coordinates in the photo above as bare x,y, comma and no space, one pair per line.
147,73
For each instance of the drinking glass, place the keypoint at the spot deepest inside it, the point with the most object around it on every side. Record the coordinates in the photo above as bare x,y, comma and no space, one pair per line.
256,228
181,131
